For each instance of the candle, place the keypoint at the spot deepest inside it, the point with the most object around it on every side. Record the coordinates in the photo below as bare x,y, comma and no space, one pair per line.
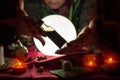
18,65
89,60
110,60
90,64
19,68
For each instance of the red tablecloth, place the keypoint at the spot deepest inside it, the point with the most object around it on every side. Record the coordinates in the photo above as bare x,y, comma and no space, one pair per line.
50,64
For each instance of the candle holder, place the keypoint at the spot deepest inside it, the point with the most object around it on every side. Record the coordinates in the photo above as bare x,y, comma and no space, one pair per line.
110,64
110,58
90,60
19,68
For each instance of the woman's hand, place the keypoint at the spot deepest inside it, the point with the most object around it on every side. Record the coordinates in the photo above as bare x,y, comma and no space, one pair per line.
25,26
28,27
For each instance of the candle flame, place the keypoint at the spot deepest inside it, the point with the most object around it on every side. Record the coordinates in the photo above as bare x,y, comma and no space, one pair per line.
110,59
19,63
90,63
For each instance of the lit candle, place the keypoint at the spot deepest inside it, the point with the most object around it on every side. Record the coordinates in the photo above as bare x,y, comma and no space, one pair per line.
90,60
110,60
90,64
19,67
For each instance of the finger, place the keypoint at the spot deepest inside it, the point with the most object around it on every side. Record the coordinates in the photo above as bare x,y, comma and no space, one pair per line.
41,40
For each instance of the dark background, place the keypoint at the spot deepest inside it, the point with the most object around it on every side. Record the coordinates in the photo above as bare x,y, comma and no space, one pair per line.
107,10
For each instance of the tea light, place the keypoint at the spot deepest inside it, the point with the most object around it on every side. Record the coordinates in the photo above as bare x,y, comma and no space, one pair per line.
90,64
89,60
110,60
19,68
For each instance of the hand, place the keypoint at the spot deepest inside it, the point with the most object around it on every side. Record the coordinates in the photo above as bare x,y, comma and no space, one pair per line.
28,27
25,26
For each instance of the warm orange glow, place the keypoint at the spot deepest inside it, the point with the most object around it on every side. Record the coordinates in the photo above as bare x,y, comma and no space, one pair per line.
90,60
19,68
110,60
90,63
19,65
